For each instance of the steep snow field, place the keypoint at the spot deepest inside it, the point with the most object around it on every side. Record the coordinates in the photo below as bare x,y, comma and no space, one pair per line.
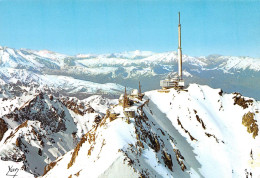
198,132
120,148
221,145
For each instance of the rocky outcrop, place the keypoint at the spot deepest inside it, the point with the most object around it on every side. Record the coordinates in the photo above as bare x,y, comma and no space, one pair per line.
3,128
241,101
42,109
250,123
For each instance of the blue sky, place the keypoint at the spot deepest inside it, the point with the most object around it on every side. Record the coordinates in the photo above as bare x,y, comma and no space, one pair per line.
225,27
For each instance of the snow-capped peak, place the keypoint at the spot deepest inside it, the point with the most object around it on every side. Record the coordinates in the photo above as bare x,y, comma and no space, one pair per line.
190,133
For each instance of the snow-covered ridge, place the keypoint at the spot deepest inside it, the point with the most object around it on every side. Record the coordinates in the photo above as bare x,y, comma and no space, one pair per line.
215,125
37,128
121,147
191,133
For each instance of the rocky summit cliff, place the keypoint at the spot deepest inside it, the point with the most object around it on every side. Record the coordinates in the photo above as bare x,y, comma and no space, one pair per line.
197,132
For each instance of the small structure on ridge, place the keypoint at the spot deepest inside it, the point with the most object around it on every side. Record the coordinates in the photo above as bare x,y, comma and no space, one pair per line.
137,93
124,100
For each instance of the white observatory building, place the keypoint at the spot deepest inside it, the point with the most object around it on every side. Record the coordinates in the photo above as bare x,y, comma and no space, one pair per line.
175,81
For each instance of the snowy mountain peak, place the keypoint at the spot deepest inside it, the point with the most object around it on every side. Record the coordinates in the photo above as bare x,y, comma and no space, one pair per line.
43,128
167,136
121,145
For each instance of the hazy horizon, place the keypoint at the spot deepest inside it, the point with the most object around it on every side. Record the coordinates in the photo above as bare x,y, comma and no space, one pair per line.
120,52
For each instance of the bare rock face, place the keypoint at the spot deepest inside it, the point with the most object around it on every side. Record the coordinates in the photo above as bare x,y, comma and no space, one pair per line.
250,123
41,108
241,101
3,128
76,106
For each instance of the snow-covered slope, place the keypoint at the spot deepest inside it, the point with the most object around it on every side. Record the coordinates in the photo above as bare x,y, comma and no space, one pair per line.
199,132
36,128
124,147
220,129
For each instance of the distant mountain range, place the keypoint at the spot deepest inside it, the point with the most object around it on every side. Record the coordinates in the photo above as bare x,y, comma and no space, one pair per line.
107,74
